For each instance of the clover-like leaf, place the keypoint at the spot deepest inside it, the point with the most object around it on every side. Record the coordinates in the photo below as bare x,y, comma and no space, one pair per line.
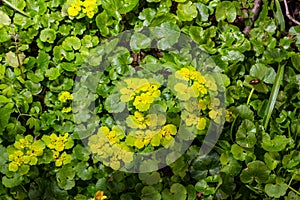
256,170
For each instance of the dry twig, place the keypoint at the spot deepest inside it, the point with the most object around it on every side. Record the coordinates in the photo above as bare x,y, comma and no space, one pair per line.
287,13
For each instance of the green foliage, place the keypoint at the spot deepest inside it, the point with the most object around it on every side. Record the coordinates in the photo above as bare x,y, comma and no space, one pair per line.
66,130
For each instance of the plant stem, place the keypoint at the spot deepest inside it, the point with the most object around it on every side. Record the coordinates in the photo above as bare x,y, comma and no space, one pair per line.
273,96
250,95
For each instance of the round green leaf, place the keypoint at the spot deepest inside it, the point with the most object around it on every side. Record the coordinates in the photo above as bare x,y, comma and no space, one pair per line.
276,190
48,35
186,11
225,10
245,136
256,170
263,73
71,43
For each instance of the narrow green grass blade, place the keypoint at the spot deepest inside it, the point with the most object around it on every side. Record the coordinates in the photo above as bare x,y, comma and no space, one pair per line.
274,94
279,16
15,8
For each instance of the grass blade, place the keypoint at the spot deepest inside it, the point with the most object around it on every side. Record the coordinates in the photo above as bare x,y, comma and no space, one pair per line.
15,8
273,96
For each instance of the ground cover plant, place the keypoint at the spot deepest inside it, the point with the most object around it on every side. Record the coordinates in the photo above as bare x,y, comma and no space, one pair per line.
149,99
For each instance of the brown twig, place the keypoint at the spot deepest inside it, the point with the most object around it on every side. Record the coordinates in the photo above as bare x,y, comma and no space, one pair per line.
255,10
287,13
17,54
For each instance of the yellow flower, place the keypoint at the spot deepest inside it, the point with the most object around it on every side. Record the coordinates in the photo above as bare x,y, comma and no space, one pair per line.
199,89
63,159
138,120
73,11
168,130
201,124
64,96
55,154
66,110
99,196
184,74
202,104
143,101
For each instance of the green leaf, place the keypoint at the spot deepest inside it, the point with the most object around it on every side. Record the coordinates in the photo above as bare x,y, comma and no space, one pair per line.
186,11
113,104
139,41
12,182
245,136
71,43
275,55
256,170
272,160
65,177
150,178
226,10
244,112
81,153
52,73
84,171
70,67
203,11
263,73
291,160
204,166
48,35
276,190
177,191
150,193
167,35
230,165
296,61
12,59
277,144
4,19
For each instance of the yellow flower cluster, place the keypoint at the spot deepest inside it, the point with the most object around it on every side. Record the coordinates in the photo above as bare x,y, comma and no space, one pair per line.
57,144
25,152
65,96
106,144
88,7
99,196
194,85
141,91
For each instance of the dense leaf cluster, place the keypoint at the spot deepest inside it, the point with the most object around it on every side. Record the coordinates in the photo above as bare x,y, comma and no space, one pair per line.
46,151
